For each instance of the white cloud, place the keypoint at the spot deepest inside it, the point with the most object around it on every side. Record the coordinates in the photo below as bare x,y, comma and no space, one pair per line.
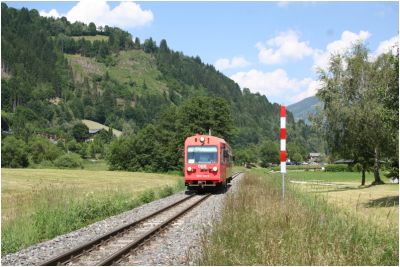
341,46
387,46
236,62
51,13
126,14
277,85
311,88
267,83
283,4
283,47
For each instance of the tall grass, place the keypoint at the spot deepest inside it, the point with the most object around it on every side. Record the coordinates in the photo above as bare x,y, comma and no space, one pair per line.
259,228
58,211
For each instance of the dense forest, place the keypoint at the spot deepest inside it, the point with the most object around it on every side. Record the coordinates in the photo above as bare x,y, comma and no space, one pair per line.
56,73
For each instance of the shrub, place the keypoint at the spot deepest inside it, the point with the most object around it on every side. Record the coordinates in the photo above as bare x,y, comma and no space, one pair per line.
14,153
338,168
42,149
70,160
147,196
298,167
357,167
165,191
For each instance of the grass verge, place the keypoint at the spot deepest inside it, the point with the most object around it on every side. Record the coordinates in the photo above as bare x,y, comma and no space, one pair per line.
258,228
37,209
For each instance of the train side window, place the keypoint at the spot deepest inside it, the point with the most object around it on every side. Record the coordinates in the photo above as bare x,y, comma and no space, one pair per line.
226,156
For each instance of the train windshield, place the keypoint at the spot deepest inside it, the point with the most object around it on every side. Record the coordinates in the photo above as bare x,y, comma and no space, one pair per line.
202,154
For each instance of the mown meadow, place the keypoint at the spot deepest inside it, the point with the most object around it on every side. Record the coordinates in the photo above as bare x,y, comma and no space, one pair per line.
39,204
258,227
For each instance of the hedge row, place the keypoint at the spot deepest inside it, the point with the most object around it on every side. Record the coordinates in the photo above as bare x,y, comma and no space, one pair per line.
327,168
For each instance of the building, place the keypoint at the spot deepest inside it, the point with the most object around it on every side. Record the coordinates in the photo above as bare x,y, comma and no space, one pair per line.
314,157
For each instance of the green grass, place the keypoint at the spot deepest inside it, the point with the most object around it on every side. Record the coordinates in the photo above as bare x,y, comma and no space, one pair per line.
131,66
91,38
95,165
95,125
40,204
258,228
379,204
351,177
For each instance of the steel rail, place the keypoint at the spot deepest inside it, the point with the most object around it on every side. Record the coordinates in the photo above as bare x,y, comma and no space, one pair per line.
64,258
142,238
67,256
236,174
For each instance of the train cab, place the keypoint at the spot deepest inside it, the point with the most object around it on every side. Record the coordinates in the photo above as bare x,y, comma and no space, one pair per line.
208,162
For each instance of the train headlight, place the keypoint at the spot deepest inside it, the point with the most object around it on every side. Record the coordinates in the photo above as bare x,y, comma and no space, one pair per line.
202,139
215,168
189,169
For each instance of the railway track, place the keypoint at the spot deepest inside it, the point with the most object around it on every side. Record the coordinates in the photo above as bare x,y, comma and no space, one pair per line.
109,248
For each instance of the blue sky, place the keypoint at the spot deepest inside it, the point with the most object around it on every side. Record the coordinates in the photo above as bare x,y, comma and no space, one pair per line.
270,47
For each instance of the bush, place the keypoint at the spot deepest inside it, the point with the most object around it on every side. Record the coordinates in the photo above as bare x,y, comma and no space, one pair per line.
69,161
357,167
165,191
298,167
147,196
14,153
42,149
338,168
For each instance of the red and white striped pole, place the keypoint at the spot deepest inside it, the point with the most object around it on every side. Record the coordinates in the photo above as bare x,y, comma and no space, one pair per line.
283,147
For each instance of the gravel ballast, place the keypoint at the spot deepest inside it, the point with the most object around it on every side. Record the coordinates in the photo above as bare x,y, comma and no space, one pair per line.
178,245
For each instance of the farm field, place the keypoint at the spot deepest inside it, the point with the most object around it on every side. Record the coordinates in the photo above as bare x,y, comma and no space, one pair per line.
377,203
92,125
38,204
258,228
91,38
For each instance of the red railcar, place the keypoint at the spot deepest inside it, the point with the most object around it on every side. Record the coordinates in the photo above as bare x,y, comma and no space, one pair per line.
208,162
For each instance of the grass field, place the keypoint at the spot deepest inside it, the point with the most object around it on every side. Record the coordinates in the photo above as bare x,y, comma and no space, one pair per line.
258,228
377,203
38,204
91,38
95,125
130,66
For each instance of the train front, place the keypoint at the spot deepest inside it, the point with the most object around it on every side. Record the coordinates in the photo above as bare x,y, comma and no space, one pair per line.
202,168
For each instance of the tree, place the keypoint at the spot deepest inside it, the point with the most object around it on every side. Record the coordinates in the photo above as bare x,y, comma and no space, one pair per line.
92,29
41,149
80,132
149,46
137,43
201,114
163,46
14,153
353,119
269,153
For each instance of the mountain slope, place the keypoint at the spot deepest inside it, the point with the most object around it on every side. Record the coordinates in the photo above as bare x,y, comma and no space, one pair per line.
116,82
301,110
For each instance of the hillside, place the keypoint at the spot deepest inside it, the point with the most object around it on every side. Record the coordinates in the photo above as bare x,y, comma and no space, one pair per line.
132,86
301,110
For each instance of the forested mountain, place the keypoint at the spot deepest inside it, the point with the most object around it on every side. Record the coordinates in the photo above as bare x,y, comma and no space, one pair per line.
56,73
304,108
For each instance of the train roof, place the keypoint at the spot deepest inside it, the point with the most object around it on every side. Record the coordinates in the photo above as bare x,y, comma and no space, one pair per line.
212,138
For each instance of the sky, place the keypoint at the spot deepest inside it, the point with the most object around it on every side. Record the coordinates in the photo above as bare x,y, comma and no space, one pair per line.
273,48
